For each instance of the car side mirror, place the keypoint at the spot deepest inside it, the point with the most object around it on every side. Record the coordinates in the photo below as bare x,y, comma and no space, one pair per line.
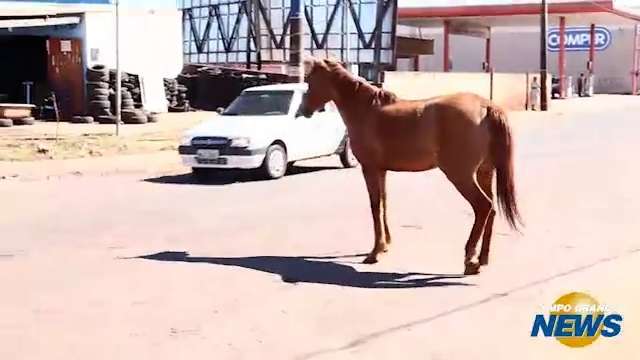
220,110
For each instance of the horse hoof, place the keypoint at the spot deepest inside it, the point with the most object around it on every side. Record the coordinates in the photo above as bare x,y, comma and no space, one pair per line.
484,262
371,259
472,269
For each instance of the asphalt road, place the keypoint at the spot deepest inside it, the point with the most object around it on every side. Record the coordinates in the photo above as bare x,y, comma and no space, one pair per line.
122,267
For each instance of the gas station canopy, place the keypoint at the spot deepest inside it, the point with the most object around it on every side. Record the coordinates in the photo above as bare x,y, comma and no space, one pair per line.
527,13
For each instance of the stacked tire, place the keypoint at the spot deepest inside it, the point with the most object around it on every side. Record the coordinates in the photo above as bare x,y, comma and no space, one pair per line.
171,91
101,85
79,119
17,121
130,85
6,123
177,96
98,93
134,116
24,121
218,88
153,117
127,102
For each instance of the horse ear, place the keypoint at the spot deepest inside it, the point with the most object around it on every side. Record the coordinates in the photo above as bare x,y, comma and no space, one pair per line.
309,62
328,62
333,62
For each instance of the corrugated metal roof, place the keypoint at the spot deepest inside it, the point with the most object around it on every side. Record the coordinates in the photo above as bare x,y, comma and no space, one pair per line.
30,8
18,23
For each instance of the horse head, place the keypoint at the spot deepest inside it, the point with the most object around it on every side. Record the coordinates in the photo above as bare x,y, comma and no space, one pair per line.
318,76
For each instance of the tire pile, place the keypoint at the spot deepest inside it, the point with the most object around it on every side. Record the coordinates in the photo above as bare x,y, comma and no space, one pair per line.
17,121
177,96
98,92
219,88
131,90
211,87
101,85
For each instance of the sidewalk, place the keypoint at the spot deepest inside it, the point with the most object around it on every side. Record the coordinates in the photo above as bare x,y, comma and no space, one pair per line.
151,163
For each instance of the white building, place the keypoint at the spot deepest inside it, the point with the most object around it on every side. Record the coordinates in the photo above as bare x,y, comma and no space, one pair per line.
52,43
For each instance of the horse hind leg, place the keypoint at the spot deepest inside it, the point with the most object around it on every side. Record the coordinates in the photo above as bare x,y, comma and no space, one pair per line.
468,187
485,180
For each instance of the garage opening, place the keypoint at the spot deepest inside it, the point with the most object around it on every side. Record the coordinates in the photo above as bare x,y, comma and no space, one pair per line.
33,67
23,63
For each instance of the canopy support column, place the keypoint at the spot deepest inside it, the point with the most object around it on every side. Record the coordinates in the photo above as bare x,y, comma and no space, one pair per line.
487,53
447,58
561,58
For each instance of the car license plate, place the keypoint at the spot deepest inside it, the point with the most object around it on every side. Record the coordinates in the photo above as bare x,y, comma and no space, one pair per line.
218,161
207,154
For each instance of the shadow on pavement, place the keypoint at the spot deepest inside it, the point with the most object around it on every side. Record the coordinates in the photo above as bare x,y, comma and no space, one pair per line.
318,270
226,177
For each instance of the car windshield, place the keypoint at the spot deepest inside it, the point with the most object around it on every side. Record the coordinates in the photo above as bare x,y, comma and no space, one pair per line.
260,103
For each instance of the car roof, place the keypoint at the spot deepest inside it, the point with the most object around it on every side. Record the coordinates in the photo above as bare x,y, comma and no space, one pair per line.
280,87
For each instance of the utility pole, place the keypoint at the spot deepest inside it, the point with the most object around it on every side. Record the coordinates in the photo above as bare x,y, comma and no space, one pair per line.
296,69
347,26
544,21
118,74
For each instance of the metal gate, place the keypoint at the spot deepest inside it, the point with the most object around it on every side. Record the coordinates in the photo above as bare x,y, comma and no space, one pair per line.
255,33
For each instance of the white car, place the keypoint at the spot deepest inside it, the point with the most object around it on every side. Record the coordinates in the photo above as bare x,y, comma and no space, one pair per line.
263,129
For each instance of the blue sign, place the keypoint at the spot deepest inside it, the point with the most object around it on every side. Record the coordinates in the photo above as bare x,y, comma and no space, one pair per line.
579,39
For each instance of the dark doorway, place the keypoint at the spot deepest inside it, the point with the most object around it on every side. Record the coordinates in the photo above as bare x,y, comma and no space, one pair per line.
24,58
49,64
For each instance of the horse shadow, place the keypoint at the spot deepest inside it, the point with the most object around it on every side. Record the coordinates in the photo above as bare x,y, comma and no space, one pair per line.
323,270
228,177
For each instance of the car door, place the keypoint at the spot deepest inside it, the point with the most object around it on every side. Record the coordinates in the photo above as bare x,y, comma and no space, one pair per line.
301,133
329,130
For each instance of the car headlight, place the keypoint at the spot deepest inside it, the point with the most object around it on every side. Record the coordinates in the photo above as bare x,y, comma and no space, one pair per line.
241,142
186,140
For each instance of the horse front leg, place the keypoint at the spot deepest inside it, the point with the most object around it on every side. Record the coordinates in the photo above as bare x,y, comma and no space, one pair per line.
383,200
373,178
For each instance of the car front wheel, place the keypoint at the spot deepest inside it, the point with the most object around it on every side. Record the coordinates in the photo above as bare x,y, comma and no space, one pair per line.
275,162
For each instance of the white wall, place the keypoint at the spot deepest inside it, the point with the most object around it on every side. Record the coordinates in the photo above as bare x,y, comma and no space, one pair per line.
517,50
447,3
150,45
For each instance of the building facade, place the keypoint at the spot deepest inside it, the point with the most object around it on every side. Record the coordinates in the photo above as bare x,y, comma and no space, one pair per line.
61,39
504,36
257,33
515,50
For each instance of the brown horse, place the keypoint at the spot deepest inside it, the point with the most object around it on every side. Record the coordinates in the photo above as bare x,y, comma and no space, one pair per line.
464,135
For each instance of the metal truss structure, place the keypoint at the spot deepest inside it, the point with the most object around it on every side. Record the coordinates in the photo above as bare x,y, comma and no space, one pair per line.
254,33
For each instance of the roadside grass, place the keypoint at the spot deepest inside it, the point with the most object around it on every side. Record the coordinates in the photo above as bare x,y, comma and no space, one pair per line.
83,146
74,141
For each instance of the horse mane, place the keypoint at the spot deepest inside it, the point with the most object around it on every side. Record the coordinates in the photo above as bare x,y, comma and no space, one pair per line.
379,97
